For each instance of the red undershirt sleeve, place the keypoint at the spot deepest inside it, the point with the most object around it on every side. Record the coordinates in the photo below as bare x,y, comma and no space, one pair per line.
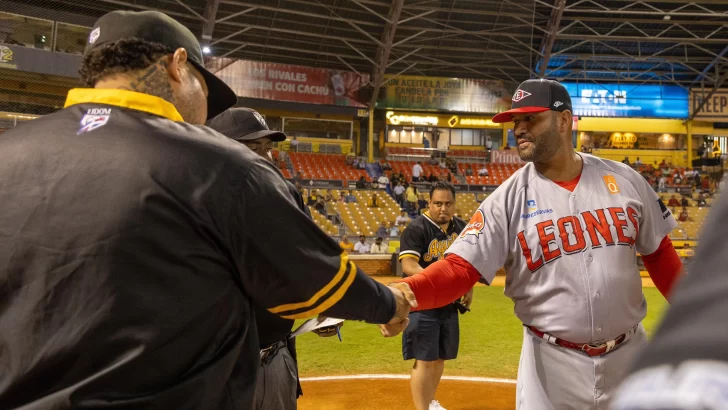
443,282
664,267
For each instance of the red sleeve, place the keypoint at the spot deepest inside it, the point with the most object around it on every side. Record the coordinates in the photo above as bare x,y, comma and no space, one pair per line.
443,282
664,266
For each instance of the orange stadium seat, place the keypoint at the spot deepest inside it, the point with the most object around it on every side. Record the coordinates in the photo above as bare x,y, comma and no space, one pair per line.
324,166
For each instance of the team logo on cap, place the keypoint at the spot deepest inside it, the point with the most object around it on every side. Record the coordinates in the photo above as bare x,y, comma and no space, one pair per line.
260,119
94,35
519,95
475,226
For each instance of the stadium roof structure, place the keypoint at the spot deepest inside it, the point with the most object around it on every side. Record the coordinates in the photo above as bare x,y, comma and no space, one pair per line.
636,41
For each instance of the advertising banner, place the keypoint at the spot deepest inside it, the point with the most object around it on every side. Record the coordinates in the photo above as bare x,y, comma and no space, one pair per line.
283,82
505,156
628,100
715,109
444,94
438,120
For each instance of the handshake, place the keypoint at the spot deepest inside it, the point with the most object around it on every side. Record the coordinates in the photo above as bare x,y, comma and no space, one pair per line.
405,300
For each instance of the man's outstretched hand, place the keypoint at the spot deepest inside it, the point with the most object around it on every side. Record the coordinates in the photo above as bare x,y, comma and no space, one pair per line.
405,300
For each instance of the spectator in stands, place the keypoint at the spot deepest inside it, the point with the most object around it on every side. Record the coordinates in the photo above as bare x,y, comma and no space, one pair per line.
328,197
684,202
386,166
432,178
378,247
312,198
383,230
294,144
362,163
384,183
684,216
663,164
355,162
697,182
361,183
299,187
626,160
410,197
422,204
449,177
362,246
433,160
661,186
469,171
350,198
320,206
701,200
402,220
417,171
374,202
488,144
342,197
426,143
398,193
673,201
637,161
393,230
677,179
298,178
345,244
350,158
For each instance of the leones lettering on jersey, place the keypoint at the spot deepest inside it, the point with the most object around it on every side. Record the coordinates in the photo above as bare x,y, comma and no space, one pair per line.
519,95
476,225
611,184
94,119
574,234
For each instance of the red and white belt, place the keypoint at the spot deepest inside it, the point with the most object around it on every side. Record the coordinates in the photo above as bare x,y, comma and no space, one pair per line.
587,348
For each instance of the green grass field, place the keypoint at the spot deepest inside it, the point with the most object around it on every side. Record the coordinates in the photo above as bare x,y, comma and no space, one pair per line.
490,342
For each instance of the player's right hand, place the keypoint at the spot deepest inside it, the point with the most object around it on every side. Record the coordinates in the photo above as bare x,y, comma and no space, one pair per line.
405,300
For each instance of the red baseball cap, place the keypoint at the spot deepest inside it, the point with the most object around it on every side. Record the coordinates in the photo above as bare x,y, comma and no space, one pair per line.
534,96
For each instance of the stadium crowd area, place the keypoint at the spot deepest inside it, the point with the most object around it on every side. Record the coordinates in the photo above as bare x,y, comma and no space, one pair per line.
385,200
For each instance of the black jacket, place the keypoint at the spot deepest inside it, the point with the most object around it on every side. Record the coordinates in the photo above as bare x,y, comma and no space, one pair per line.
129,247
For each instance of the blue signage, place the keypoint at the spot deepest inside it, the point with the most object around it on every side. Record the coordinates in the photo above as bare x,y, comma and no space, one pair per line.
628,100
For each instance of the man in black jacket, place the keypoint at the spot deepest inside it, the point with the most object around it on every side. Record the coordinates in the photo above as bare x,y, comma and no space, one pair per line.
134,243
277,386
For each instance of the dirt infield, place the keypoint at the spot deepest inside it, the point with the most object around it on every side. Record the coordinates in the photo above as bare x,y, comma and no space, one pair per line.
377,394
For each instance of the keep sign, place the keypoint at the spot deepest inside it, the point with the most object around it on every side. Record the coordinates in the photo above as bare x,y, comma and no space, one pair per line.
715,107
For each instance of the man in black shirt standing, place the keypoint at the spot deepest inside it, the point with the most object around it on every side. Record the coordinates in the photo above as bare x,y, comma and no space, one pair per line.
433,336
277,386
133,242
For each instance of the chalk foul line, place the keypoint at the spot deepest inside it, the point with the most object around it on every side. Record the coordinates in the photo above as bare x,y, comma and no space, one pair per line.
404,377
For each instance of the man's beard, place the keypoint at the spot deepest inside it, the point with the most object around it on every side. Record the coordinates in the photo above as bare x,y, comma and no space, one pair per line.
543,146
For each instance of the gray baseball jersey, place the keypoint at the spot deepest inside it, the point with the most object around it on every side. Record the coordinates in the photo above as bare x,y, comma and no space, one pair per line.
570,257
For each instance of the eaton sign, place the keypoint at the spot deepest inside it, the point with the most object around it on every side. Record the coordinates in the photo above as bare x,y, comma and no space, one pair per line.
628,100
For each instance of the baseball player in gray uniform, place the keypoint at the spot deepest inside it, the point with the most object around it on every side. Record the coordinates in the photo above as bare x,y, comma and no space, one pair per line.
567,227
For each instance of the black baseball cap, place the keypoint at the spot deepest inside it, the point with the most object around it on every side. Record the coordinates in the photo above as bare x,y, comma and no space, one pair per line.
159,28
244,124
536,96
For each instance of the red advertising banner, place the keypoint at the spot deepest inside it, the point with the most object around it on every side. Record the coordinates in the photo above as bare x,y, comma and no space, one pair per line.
505,156
283,82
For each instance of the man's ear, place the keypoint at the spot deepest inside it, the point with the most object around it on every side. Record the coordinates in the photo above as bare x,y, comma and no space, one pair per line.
565,120
176,63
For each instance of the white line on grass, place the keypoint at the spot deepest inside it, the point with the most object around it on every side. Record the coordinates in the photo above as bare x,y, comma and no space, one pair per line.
405,377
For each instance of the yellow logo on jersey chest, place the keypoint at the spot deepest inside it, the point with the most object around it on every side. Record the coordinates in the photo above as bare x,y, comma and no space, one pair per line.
436,249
